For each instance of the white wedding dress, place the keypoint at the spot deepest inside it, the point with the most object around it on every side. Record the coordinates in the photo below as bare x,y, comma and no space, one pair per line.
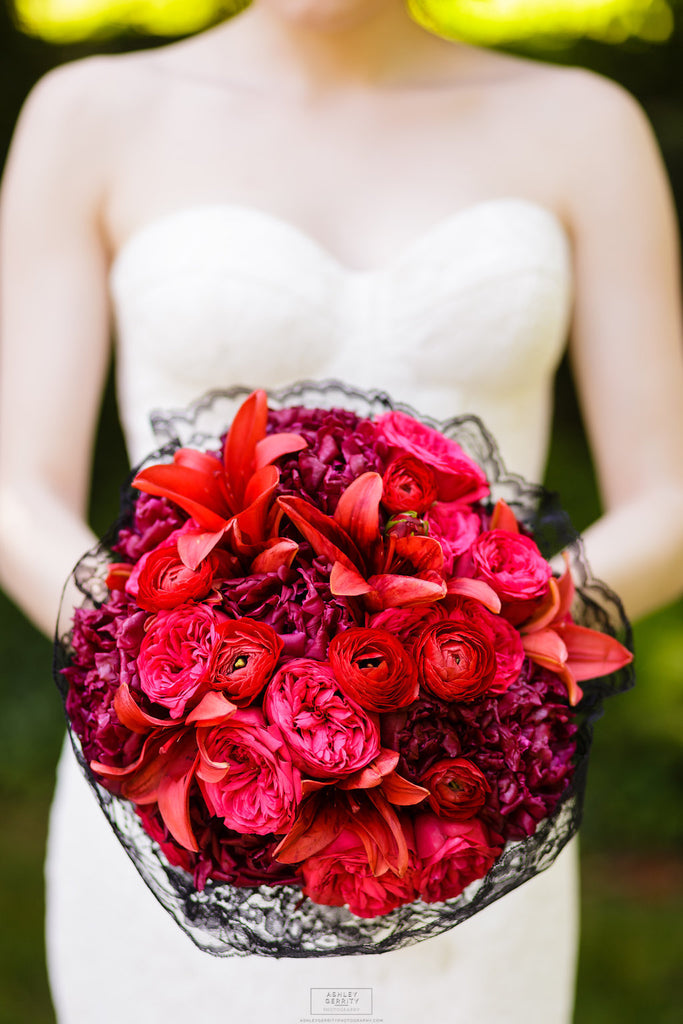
471,317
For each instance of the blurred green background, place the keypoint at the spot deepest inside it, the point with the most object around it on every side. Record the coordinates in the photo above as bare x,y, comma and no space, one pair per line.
631,965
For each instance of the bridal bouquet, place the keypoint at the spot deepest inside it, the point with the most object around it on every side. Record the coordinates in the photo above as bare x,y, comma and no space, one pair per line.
323,663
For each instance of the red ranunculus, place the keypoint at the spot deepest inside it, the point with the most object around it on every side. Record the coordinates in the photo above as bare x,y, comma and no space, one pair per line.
408,485
243,658
453,854
374,669
160,580
503,637
456,659
511,564
458,477
328,734
246,774
457,788
174,657
340,875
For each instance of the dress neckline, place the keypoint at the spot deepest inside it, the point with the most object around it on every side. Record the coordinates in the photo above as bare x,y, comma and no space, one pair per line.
302,237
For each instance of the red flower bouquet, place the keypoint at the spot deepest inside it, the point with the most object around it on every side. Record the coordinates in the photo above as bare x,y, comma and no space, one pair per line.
325,682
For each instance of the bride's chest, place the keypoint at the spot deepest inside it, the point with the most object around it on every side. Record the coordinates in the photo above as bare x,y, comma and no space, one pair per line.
220,294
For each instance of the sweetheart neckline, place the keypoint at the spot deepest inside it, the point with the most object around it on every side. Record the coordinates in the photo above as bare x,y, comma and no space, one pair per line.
304,237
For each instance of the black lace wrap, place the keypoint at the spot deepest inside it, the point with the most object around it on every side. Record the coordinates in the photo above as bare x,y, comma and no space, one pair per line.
278,921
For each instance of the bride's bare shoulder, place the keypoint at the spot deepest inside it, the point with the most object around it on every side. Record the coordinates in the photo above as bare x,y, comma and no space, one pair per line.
91,89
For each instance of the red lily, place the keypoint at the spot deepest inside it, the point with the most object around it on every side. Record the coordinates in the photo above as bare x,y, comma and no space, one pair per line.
162,774
574,653
385,571
228,497
164,769
323,815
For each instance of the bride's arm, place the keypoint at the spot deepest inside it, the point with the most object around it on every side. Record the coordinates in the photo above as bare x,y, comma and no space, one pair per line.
54,339
627,348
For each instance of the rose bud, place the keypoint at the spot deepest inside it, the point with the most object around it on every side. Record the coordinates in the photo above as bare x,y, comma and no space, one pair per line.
407,524
243,658
455,659
174,656
409,485
374,669
328,734
457,788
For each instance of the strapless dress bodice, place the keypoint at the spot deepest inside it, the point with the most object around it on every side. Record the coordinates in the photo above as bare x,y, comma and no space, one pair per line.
470,317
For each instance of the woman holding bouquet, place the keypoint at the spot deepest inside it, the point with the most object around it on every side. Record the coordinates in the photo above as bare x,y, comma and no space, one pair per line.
228,197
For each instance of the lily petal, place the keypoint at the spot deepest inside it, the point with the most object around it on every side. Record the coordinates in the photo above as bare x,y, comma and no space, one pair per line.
324,535
130,714
590,653
372,774
402,792
545,648
248,428
357,510
316,824
346,581
198,494
279,552
503,518
174,802
391,591
478,590
212,709
547,610
275,446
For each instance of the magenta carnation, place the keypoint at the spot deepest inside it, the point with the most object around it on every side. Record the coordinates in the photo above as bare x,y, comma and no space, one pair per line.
104,642
296,602
153,521
341,446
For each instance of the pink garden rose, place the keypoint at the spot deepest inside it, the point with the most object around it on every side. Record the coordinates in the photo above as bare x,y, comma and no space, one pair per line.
246,774
511,564
458,477
339,875
173,662
328,734
453,854
455,526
